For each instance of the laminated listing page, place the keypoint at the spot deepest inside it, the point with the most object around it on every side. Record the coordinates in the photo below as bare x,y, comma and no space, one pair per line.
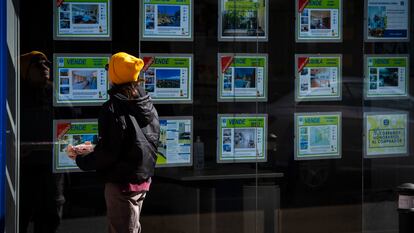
82,19
317,135
168,78
72,132
175,145
387,20
80,80
386,76
318,20
242,138
386,134
243,20
242,77
166,19
318,77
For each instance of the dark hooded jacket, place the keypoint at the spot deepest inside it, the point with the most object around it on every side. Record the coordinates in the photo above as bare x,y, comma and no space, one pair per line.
126,151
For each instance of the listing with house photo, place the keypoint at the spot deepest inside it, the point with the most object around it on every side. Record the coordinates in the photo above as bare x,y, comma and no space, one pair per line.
241,138
168,78
386,134
318,77
317,135
82,18
386,76
318,20
80,80
175,144
166,19
243,19
387,20
242,77
73,132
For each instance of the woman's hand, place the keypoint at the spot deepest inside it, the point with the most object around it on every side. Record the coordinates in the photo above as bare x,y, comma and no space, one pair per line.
83,149
70,151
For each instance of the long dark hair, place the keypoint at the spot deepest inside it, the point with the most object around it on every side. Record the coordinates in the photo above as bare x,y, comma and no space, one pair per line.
130,90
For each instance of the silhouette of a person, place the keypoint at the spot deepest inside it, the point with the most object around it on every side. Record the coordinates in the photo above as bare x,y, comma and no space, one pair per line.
41,191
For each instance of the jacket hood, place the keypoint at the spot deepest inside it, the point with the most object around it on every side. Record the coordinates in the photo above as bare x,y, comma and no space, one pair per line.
140,107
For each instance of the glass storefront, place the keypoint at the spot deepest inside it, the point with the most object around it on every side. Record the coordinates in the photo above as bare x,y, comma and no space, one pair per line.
287,116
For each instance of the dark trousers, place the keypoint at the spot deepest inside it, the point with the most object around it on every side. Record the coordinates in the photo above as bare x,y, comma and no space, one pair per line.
123,209
41,199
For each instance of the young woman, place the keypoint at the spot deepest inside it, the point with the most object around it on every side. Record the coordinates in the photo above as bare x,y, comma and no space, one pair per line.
126,151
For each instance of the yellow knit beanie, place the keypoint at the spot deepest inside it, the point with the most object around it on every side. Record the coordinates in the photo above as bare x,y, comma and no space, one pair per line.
124,68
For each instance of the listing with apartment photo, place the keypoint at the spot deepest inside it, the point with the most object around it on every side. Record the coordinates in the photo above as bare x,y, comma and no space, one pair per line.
243,19
168,78
81,80
242,138
318,19
82,18
167,19
242,77
386,77
318,77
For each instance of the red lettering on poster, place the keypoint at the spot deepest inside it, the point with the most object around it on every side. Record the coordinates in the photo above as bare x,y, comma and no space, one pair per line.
226,63
147,62
62,129
302,4
59,2
302,62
